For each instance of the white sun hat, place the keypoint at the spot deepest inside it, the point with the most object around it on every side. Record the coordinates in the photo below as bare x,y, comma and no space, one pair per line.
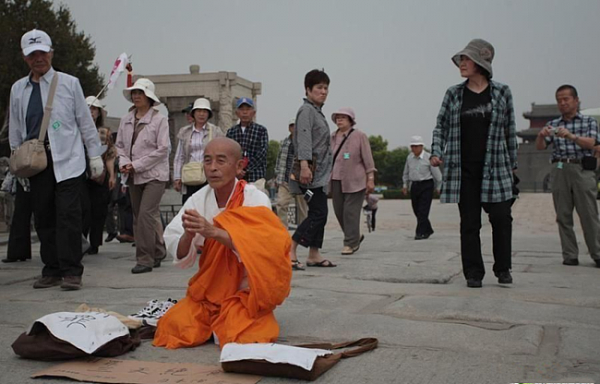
416,140
144,85
93,101
202,103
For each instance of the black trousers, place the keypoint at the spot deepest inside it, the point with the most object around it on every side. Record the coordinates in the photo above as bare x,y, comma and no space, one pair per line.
470,225
95,201
190,190
421,194
19,240
311,231
125,214
373,215
57,217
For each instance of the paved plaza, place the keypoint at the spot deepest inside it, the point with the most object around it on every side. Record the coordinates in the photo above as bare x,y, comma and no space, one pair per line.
409,294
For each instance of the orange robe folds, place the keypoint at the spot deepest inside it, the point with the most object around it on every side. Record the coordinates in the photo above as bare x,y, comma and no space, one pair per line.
214,302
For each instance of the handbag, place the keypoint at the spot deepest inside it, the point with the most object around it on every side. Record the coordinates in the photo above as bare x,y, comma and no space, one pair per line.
29,158
321,365
192,173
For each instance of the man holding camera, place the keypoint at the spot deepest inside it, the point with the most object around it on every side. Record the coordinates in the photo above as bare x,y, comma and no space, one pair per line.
573,136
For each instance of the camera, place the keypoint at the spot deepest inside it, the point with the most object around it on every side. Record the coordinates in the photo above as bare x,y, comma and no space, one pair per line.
308,195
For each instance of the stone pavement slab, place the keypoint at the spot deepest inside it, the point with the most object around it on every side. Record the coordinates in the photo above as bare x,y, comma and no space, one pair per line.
409,294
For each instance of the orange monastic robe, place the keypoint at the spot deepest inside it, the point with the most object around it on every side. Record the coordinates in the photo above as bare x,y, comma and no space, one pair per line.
214,302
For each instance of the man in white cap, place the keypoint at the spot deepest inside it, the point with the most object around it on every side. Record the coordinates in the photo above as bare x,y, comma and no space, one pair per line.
283,168
421,178
56,190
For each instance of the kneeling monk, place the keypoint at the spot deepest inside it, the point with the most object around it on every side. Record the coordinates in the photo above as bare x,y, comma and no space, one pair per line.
244,268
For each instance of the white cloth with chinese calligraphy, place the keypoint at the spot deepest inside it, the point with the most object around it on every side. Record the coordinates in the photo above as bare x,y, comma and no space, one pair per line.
273,353
86,331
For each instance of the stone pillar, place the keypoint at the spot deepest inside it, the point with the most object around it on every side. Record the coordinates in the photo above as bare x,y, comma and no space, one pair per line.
256,90
226,82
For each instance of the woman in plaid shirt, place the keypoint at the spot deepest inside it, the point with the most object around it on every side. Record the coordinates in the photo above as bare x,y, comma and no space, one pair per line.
475,140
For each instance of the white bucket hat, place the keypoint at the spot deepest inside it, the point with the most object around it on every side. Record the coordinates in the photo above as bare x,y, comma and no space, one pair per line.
416,140
292,121
202,103
144,85
93,101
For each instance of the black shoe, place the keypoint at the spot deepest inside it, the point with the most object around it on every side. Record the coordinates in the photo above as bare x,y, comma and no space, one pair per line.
92,251
140,269
597,263
504,277
110,237
157,263
7,260
571,262
474,283
426,236
420,237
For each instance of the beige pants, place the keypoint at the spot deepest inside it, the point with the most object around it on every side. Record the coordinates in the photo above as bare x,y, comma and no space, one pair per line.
147,227
572,187
284,198
347,208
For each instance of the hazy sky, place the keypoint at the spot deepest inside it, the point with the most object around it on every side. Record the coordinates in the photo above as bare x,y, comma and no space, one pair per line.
389,60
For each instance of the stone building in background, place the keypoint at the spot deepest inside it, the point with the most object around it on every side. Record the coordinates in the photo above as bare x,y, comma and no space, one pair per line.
176,92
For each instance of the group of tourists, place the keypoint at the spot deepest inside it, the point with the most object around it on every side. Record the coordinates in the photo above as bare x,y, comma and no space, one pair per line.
226,225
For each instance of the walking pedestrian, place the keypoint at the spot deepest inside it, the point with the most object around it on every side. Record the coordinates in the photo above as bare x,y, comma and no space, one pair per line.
283,168
311,170
421,178
475,139
143,147
352,176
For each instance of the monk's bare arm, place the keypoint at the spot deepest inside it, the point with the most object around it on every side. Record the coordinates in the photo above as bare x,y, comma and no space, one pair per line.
183,248
222,236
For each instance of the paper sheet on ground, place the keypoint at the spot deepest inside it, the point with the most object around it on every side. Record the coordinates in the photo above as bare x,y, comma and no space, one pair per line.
100,370
87,331
273,353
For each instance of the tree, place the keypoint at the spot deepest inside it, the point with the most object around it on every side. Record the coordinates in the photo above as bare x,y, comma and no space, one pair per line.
389,164
74,51
272,153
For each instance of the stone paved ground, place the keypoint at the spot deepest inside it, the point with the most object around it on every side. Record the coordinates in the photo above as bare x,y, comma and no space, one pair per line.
409,294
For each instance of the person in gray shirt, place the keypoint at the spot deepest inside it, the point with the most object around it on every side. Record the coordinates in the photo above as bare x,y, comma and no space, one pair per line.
313,152
421,177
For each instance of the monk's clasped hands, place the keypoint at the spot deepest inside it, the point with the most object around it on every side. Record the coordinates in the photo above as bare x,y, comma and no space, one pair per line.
194,223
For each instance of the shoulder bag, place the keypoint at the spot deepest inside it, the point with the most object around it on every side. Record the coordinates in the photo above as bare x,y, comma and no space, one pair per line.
30,158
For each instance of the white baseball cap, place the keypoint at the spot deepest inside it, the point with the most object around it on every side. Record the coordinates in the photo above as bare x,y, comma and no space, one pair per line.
35,40
292,122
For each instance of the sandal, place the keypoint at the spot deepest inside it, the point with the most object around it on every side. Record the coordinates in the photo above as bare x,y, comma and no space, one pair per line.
297,266
323,264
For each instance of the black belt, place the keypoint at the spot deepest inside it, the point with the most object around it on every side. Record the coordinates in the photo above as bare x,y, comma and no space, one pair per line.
422,181
567,160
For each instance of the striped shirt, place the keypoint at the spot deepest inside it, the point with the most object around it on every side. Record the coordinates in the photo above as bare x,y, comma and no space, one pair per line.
283,166
311,139
583,126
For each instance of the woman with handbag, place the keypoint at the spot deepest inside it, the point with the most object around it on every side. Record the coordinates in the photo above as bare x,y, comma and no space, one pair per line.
352,175
188,168
143,148
97,190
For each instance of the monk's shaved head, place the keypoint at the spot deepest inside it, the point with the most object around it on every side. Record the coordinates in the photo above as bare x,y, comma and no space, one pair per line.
225,144
222,163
